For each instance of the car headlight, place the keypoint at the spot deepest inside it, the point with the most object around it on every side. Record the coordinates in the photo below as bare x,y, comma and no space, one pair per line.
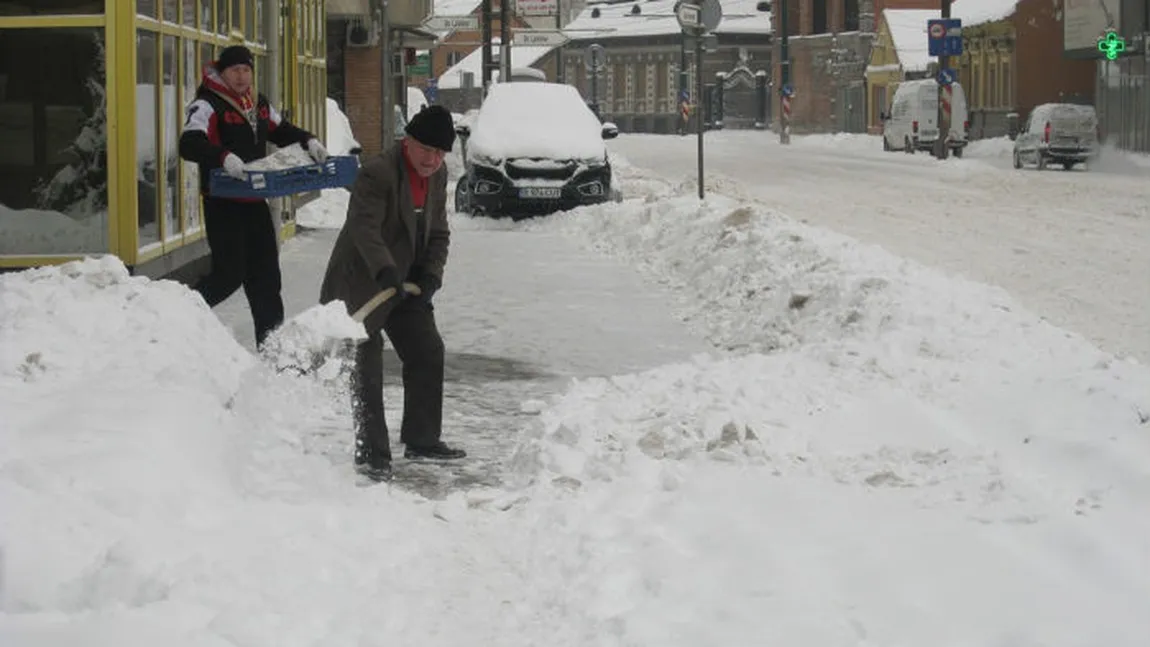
486,187
591,188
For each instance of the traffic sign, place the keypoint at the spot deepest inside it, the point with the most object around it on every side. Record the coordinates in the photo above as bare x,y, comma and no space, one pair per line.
432,91
947,76
690,16
944,37
594,57
698,16
788,90
452,23
538,37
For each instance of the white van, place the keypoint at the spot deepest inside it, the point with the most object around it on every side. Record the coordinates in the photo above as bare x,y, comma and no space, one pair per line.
913,120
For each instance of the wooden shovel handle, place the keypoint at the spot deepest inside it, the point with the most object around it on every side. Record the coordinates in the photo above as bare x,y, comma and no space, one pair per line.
372,304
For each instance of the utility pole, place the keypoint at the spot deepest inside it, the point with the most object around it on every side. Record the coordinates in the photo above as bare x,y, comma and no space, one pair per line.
560,66
940,149
504,41
386,109
785,73
485,19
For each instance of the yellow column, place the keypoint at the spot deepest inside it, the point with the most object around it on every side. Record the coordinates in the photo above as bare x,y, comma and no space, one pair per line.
120,34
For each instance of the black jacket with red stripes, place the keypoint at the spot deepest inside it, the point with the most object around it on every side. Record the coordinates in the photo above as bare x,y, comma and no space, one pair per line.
219,122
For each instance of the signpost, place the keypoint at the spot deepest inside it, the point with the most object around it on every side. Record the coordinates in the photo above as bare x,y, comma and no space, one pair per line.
697,18
594,58
944,39
539,37
451,23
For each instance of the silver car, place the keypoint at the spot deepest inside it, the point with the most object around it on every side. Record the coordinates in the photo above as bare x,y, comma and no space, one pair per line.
1058,133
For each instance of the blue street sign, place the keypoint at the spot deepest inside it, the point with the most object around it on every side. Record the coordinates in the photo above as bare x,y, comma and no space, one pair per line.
944,37
788,91
432,90
947,76
684,95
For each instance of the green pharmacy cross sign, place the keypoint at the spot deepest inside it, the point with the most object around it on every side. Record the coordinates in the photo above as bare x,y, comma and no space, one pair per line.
1111,45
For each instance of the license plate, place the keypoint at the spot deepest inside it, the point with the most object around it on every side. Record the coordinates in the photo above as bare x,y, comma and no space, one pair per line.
539,192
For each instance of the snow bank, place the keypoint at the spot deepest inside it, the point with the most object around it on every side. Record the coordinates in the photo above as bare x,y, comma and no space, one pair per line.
329,211
911,453
340,139
158,484
993,148
530,119
839,141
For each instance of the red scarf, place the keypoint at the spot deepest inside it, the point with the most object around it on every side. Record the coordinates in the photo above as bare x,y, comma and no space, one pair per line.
417,182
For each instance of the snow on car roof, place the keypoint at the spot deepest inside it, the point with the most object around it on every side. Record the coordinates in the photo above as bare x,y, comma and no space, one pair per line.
533,119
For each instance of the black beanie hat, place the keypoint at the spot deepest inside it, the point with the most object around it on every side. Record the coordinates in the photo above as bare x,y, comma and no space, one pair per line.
235,55
433,126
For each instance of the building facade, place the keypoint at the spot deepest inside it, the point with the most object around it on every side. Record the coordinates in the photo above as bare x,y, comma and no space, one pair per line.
829,43
638,87
92,97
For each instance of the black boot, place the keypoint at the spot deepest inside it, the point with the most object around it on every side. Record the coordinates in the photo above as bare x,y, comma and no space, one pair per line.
436,451
370,461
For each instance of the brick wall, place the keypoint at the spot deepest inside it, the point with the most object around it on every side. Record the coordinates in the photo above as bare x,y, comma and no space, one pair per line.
362,91
1042,75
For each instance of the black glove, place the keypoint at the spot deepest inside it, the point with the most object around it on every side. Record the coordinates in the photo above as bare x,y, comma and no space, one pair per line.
427,283
388,277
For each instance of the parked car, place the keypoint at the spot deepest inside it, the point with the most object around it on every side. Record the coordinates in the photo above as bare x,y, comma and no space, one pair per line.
912,123
1057,133
534,148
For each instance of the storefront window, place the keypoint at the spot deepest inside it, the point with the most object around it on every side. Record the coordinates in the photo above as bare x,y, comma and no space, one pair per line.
171,121
50,7
257,13
237,15
170,10
250,29
53,141
206,15
146,8
189,8
207,57
191,172
146,146
221,16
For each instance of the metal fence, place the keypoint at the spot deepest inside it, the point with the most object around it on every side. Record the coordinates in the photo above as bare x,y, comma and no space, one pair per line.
1123,103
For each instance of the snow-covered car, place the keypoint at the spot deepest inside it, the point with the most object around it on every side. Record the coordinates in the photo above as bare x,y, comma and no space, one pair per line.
1058,133
534,148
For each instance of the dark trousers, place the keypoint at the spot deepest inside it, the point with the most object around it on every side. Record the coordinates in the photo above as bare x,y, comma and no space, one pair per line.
244,253
412,331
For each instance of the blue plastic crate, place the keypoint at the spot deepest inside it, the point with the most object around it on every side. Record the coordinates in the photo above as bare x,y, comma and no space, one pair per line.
336,171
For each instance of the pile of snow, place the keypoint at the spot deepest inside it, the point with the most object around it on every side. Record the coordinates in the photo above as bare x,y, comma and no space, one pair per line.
160,485
329,211
339,138
910,446
527,119
283,158
995,147
839,141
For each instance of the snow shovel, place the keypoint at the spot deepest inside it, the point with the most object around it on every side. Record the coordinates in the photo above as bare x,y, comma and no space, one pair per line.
310,342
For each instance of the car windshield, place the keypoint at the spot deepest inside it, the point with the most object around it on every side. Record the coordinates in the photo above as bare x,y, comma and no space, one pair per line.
533,119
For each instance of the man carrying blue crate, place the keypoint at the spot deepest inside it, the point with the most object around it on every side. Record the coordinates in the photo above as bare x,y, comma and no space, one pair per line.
229,125
395,240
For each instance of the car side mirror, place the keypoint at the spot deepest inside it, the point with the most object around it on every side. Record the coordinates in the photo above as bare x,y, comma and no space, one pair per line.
463,130
610,130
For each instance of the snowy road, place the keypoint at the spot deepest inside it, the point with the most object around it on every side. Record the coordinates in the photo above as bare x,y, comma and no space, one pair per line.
1070,246
521,313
